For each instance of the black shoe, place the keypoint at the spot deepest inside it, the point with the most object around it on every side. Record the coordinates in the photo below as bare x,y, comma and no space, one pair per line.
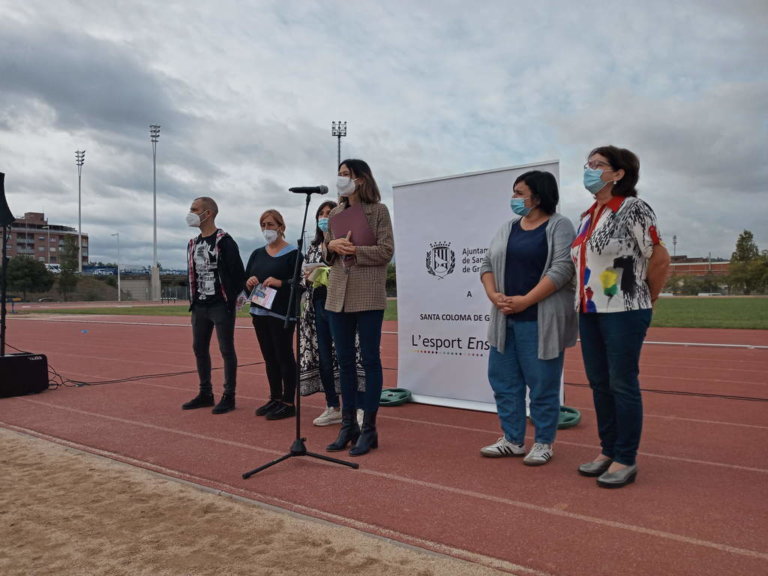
226,404
281,412
202,400
595,468
267,408
349,433
369,437
619,478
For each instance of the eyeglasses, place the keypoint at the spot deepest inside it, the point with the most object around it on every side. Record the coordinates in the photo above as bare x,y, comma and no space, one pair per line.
598,165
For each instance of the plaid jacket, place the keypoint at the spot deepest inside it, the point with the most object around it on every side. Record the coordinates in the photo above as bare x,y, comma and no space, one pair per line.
361,286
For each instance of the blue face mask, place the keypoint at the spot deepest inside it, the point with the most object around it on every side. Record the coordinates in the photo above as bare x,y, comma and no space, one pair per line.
322,223
592,180
518,206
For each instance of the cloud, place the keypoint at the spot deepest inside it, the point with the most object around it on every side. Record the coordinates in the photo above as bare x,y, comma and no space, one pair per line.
245,93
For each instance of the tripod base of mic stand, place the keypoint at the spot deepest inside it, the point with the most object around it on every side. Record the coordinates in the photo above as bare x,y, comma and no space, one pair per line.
298,449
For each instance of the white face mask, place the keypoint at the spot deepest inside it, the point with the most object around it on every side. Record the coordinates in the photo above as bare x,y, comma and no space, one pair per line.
345,185
193,220
270,235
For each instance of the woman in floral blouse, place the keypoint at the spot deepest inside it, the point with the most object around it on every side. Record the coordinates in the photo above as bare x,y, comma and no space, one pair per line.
621,267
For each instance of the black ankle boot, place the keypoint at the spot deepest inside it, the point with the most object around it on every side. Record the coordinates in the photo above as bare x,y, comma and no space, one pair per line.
369,438
349,432
202,400
226,404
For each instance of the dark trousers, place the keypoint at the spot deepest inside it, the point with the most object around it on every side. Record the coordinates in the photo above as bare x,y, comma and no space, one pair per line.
610,346
204,320
325,353
276,343
368,327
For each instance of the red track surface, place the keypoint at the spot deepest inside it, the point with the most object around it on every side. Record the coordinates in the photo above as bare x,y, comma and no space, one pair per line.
699,506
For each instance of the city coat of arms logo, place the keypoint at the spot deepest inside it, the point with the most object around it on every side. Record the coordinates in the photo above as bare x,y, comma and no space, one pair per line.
441,260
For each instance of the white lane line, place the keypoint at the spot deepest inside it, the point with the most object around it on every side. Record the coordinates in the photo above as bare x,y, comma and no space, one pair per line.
468,493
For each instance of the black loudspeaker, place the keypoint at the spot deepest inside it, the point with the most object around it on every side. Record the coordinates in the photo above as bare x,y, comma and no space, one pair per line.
23,374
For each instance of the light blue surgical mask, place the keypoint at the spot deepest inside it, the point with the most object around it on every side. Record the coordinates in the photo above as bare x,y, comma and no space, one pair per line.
322,223
518,206
592,180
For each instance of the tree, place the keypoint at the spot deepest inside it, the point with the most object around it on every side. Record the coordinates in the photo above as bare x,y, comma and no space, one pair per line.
391,280
747,271
68,278
28,275
746,249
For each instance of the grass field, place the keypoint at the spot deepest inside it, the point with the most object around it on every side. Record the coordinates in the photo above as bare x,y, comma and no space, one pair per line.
160,310
678,312
712,312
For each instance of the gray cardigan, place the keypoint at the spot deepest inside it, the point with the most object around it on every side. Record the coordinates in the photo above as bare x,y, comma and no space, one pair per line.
558,325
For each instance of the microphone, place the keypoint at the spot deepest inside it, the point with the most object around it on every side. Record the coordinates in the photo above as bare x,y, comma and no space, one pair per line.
309,190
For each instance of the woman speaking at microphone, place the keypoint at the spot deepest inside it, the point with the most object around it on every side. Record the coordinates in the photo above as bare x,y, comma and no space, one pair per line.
356,300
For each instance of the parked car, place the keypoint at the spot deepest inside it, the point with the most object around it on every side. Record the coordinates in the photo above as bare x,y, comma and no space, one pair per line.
55,268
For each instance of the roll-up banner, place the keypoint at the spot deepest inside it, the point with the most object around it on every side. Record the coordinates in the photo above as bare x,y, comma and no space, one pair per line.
443,229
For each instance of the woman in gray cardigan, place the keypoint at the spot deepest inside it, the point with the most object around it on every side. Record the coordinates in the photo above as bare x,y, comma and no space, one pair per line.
528,277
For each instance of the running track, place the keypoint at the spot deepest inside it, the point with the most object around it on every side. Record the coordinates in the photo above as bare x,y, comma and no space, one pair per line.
699,507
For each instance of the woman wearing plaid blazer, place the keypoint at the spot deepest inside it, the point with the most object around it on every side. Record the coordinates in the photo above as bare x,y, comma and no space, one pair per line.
356,301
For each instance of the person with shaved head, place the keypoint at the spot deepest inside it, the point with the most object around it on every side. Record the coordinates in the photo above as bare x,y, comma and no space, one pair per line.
216,279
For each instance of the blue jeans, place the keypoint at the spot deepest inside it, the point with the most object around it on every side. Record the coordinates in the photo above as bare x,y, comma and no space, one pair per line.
509,374
611,345
204,320
325,353
367,324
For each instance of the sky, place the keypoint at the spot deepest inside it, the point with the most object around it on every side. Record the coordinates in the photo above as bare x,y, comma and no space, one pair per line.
245,92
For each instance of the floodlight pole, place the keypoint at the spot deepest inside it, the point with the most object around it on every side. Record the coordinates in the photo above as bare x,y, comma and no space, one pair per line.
154,135
338,131
119,291
79,160
48,249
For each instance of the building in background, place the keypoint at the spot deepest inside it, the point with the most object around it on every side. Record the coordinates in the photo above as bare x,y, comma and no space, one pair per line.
699,267
33,236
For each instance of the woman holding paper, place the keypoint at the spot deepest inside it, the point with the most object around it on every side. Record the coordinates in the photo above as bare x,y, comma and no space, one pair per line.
269,273
316,361
358,246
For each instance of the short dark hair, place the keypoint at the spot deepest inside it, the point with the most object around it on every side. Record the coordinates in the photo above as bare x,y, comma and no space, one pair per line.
543,187
209,204
319,233
621,159
369,191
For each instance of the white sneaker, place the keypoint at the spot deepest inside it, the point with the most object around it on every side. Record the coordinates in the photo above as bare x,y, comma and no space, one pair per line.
360,416
329,416
539,454
502,447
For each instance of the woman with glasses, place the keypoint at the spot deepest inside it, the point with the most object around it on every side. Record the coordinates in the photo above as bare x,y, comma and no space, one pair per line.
621,267
357,298
527,274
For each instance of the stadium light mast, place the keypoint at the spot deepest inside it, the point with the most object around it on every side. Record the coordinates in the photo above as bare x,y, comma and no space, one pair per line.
79,160
154,135
338,131
119,292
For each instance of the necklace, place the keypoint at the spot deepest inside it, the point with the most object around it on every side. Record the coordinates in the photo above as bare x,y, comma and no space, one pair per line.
528,223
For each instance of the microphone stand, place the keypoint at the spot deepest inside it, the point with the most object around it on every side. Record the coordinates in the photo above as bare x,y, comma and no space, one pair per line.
298,448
